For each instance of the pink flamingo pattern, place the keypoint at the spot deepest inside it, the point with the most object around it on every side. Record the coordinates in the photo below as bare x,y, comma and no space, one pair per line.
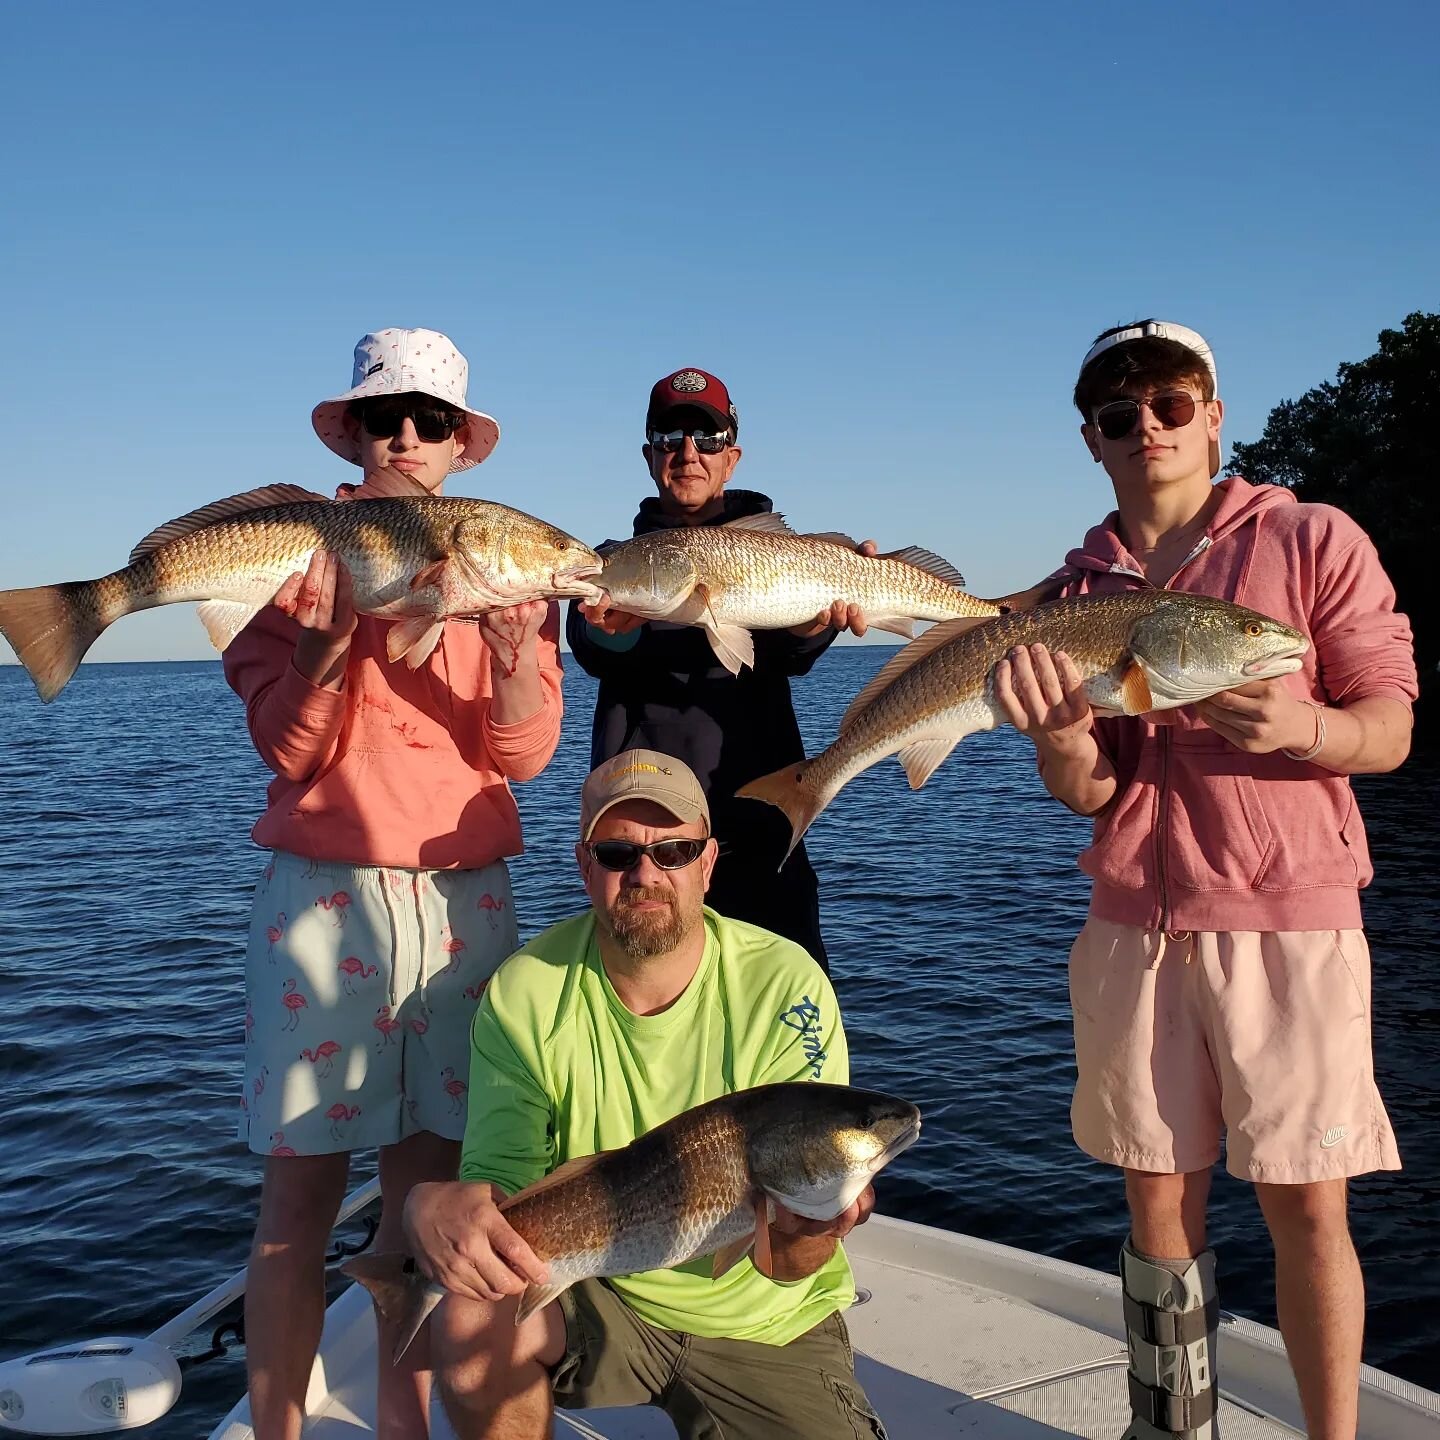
474,992
322,1057
339,1115
492,908
455,1089
353,968
269,871
454,947
276,933
258,1088
278,1145
419,1024
293,1003
338,903
385,1025
249,1022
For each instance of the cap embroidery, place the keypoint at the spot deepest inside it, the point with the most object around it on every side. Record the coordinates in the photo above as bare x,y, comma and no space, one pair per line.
688,382
637,768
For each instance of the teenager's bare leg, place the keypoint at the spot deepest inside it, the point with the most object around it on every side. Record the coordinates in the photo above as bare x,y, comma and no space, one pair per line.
285,1289
1320,1297
495,1375
403,1401
1167,1212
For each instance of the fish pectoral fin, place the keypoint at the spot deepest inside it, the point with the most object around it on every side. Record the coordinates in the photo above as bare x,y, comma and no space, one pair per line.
930,563
734,645
1135,689
261,499
922,759
729,1256
537,1297
225,619
895,624
414,639
430,574
771,522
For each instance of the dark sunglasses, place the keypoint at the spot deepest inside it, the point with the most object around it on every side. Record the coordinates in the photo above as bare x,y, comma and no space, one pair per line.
383,419
622,855
1117,419
706,442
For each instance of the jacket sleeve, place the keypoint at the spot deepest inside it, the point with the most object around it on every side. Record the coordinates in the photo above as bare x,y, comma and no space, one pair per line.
522,750
294,725
1363,645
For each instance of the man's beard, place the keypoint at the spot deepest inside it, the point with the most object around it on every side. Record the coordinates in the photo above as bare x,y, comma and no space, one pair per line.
647,933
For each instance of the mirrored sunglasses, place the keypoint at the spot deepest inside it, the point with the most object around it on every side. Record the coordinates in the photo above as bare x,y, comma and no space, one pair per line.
622,855
383,419
706,442
1173,410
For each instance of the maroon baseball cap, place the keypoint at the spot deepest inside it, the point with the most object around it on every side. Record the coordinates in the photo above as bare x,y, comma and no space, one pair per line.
692,390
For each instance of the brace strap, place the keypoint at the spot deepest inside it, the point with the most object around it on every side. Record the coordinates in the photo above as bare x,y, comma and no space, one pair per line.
1167,1327
1175,1413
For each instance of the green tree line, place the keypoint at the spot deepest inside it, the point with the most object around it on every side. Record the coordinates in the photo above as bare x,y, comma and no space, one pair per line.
1368,442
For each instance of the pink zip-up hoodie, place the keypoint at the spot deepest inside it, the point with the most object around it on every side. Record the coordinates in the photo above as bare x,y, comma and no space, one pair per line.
399,767
1200,835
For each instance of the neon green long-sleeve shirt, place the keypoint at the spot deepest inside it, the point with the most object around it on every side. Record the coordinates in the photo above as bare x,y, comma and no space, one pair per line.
560,1068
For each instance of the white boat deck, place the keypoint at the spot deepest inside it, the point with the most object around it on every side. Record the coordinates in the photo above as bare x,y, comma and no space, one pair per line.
953,1337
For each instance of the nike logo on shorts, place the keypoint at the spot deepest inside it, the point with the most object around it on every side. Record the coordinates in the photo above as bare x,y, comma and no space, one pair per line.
1333,1136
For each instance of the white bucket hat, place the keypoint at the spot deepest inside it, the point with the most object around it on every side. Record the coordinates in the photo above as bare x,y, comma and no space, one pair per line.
401,362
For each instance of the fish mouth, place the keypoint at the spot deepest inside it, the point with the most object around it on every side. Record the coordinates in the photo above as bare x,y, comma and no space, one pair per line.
1267,667
577,580
903,1141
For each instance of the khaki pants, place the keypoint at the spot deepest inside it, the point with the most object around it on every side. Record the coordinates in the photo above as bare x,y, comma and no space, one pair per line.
711,1389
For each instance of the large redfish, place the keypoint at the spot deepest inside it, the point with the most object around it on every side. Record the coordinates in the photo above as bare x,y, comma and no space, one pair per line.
415,559
699,1184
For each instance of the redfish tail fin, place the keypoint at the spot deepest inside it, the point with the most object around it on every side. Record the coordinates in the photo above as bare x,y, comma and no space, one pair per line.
403,1297
50,627
787,789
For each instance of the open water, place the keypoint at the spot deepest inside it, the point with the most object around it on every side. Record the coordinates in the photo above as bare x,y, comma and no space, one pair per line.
125,880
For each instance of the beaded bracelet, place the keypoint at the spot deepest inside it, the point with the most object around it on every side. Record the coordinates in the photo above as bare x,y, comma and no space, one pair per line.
1319,744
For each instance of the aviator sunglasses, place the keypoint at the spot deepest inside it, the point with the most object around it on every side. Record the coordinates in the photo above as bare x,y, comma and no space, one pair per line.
622,855
383,419
1174,410
706,442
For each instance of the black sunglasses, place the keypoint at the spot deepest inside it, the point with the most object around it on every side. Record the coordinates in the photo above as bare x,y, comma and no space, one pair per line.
383,419
706,442
622,855
1173,410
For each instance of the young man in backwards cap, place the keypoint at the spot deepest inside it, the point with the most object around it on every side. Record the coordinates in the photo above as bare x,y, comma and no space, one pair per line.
1221,984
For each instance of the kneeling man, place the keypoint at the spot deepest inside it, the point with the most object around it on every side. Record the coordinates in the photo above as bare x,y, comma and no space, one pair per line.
600,1029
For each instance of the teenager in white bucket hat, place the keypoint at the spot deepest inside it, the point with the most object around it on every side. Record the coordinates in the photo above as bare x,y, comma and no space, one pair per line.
410,363
384,905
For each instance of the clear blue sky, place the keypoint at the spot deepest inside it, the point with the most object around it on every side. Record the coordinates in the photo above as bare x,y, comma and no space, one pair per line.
892,229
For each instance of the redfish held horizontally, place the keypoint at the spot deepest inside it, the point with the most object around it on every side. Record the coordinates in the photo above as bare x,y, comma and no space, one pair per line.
700,1184
1139,651
414,558
756,573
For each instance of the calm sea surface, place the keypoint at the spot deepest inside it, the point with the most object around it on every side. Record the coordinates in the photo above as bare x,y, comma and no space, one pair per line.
125,880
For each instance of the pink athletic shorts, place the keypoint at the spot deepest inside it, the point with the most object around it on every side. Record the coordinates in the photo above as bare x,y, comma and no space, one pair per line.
1262,1037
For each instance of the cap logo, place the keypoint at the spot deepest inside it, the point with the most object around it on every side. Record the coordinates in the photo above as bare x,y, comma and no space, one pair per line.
688,382
639,767
375,369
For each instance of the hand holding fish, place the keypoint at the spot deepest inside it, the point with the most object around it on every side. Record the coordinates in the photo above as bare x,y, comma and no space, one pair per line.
461,1241
510,633
799,1247
1261,717
840,616
1043,696
322,603
613,622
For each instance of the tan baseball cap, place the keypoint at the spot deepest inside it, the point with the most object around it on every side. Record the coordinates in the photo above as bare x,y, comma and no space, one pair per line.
642,775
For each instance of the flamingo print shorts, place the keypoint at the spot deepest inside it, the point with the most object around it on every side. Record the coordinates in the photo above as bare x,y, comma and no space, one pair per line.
360,985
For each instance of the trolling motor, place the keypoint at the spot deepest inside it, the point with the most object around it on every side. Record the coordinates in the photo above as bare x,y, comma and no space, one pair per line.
119,1383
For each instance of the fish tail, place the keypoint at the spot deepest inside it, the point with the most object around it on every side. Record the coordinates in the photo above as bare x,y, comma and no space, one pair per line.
50,627
791,791
403,1297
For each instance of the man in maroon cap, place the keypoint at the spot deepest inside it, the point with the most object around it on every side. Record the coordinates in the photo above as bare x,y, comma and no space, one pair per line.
662,688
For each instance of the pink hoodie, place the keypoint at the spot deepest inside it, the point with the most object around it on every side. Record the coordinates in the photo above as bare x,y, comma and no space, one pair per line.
1200,835
399,767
